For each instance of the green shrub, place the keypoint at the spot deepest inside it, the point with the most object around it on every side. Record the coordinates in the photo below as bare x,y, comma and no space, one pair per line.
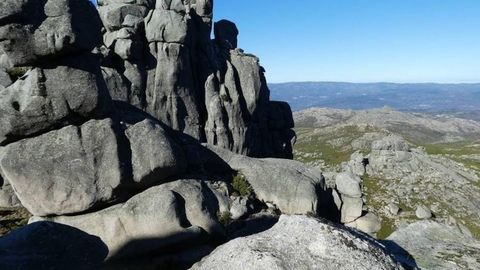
241,186
224,217
17,72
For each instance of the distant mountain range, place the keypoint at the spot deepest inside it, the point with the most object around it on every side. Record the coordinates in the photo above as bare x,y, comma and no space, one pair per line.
461,100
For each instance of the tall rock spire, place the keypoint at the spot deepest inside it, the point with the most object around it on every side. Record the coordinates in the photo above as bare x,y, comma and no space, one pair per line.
160,58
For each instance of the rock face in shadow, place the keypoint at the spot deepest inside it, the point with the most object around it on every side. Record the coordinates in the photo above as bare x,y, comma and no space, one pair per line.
47,245
323,246
159,58
176,214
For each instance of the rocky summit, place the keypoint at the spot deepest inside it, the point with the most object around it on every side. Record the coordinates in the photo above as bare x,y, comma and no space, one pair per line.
135,141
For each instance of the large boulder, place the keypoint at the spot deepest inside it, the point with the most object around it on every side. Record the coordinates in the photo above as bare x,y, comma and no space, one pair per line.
68,92
181,214
114,15
35,31
155,156
65,171
348,184
369,223
423,212
75,169
351,209
290,185
299,242
47,245
165,25
226,33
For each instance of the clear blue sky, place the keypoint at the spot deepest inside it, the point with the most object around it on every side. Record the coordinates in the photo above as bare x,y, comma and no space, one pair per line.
360,40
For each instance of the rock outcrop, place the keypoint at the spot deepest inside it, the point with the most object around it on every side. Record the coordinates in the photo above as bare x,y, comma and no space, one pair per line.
40,100
101,140
159,58
289,185
324,246
434,245
34,32
352,212
424,193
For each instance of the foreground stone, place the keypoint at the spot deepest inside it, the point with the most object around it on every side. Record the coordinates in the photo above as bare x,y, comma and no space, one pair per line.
290,185
299,242
46,245
177,214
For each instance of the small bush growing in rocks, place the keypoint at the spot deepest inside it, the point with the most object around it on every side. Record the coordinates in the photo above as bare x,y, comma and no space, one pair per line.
224,217
241,185
17,72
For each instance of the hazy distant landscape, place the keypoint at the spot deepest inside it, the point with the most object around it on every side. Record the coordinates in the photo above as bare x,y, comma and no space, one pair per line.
461,100
422,151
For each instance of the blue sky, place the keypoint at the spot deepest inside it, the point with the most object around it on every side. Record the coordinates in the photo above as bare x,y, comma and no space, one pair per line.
360,40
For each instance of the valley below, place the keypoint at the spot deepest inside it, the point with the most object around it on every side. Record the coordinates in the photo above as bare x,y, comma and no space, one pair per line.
420,175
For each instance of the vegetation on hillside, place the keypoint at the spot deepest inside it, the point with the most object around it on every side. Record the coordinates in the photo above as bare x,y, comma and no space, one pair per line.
328,147
464,152
332,146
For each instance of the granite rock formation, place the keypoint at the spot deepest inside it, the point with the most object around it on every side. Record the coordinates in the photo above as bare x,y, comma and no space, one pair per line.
129,135
159,58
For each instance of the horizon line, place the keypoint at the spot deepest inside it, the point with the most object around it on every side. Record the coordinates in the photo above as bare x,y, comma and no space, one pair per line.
378,82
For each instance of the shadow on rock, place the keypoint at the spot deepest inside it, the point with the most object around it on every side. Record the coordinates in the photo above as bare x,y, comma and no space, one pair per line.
327,207
179,258
400,254
48,245
253,225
